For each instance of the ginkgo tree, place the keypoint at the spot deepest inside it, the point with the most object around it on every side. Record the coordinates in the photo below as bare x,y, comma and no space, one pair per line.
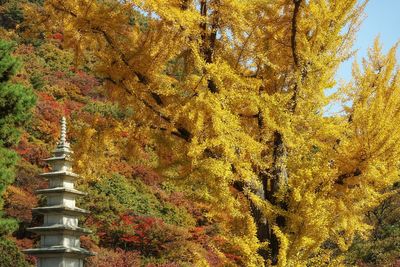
232,94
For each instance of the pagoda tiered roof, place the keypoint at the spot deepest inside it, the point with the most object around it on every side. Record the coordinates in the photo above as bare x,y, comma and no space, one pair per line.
54,250
57,190
60,158
59,228
59,173
57,209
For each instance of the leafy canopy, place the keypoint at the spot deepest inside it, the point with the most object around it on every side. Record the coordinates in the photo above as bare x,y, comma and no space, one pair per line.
231,96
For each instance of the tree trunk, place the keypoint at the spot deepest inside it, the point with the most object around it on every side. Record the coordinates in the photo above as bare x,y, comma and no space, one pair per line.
273,181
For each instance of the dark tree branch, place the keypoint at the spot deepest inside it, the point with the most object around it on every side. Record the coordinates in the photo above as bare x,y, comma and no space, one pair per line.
180,131
342,178
296,10
209,40
294,31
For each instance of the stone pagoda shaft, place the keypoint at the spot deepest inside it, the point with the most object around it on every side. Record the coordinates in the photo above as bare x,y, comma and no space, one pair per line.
59,235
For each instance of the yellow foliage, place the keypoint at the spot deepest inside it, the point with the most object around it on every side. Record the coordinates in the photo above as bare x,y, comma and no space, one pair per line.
234,97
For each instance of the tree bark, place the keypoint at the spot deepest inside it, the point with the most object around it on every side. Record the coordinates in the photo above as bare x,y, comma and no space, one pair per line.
275,180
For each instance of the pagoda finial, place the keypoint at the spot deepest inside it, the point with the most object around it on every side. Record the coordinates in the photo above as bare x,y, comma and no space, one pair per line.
63,137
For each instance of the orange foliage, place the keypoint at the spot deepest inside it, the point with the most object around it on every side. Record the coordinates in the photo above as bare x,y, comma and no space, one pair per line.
18,203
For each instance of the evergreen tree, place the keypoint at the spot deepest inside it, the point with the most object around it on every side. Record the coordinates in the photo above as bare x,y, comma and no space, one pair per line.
15,103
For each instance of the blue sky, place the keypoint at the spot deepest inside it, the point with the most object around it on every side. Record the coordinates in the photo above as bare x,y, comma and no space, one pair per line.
383,19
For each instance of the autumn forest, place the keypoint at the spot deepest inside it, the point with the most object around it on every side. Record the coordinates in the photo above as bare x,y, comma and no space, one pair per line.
200,131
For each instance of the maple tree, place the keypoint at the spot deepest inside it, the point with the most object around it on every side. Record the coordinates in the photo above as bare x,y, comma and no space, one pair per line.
231,97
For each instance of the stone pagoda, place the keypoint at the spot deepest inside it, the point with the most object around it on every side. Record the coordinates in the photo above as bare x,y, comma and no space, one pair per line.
59,241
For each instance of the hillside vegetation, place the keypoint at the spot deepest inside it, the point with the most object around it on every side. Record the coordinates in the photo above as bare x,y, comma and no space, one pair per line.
200,132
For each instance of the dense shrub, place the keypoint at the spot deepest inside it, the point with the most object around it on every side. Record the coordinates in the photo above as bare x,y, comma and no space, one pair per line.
110,197
10,256
108,110
382,246
113,258
11,15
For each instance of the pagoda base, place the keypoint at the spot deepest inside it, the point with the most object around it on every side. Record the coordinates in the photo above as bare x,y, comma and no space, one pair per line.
59,262
59,256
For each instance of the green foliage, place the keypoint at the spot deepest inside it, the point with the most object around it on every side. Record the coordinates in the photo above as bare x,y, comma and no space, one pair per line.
37,81
11,15
382,251
7,164
8,64
54,58
15,99
136,18
108,110
39,2
7,225
10,256
110,197
382,247
15,102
